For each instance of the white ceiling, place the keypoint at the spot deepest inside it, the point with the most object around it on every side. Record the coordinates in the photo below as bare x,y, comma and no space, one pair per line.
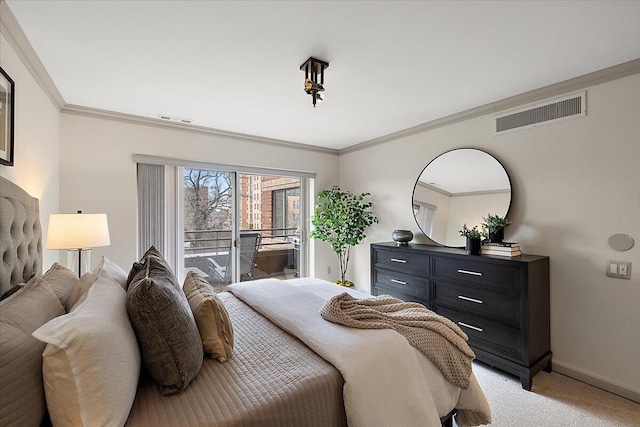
234,66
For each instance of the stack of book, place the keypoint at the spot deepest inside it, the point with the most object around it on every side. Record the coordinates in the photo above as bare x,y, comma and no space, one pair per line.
501,249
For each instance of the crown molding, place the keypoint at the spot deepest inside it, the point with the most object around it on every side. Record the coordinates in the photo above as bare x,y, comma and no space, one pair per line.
557,89
466,193
140,120
10,28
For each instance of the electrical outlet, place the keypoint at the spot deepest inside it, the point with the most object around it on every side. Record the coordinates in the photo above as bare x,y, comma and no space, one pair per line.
619,269
328,269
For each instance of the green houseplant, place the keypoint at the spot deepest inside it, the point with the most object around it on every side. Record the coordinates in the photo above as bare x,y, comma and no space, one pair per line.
340,219
493,226
473,236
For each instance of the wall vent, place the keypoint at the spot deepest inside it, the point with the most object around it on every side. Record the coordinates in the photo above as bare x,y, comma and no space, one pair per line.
175,119
567,107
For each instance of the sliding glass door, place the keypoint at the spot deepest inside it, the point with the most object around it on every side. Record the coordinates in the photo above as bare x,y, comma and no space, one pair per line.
270,208
241,226
208,198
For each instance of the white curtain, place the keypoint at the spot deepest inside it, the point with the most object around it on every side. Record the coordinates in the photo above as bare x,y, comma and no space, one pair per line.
151,207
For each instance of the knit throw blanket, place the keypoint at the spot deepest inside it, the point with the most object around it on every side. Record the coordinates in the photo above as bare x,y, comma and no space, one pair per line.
437,337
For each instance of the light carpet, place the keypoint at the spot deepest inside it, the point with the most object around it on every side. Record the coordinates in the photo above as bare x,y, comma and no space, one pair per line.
555,400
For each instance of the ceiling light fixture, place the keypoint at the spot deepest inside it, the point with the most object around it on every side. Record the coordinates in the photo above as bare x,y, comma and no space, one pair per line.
314,77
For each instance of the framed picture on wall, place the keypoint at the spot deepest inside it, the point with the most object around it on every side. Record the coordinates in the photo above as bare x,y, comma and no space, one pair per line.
7,108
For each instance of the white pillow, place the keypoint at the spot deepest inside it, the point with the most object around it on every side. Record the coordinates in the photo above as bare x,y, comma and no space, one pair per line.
105,269
91,363
111,271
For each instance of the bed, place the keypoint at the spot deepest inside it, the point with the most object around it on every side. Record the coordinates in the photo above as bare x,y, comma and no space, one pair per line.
284,370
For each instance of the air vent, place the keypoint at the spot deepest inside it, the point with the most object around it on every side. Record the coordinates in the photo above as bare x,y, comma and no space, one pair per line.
175,119
567,107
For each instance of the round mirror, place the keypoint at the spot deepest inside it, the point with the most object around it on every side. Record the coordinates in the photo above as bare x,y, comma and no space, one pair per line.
457,187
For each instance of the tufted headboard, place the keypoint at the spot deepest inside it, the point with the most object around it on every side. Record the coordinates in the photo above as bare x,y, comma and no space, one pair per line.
20,235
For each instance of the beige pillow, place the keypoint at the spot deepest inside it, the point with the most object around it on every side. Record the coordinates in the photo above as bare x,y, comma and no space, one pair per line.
62,281
167,333
92,362
80,289
22,401
211,316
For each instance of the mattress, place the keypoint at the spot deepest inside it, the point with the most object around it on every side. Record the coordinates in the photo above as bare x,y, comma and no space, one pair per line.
272,379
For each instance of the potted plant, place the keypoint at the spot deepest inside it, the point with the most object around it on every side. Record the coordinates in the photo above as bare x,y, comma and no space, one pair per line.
340,219
493,226
474,237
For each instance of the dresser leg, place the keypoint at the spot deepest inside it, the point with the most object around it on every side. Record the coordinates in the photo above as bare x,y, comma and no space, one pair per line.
549,367
526,379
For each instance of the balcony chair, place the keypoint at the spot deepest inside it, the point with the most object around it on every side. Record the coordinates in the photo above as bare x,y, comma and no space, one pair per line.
249,243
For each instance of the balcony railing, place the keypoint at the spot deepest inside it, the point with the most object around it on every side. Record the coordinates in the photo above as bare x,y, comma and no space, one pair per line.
278,253
219,241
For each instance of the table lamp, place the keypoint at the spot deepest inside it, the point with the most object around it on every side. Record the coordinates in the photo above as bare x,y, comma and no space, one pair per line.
78,233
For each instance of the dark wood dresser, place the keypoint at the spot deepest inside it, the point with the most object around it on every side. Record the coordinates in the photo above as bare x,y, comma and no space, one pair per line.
501,303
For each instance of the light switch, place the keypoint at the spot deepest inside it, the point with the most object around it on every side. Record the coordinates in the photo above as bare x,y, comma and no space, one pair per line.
619,269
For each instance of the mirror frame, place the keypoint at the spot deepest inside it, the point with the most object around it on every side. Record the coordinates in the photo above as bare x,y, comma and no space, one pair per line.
413,203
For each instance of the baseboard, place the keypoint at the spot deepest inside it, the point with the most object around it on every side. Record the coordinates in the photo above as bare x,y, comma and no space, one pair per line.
596,381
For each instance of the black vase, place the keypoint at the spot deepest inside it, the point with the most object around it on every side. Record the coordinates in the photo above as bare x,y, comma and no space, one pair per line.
496,236
473,246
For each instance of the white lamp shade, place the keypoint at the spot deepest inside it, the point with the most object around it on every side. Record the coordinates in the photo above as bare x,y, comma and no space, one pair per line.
77,231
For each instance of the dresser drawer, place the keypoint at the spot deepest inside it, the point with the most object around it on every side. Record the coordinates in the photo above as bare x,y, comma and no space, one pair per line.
404,261
382,290
404,283
486,334
478,301
502,277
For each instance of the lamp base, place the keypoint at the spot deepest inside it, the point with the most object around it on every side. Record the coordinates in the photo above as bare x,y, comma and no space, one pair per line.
79,260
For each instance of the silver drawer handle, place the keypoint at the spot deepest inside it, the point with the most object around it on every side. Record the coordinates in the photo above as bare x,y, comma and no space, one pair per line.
398,260
470,299
400,282
473,273
475,328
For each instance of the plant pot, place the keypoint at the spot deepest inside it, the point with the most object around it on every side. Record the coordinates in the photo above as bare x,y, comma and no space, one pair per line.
497,236
347,284
473,246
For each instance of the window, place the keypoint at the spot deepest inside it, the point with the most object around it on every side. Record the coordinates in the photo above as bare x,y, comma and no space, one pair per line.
285,207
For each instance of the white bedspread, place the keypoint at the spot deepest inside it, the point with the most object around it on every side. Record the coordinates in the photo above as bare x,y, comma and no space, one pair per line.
387,382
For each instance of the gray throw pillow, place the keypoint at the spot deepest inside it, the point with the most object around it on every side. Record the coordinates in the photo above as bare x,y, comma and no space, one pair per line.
166,330
139,265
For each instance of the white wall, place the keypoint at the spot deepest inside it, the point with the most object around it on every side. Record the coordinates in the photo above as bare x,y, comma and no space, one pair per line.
37,148
98,174
575,183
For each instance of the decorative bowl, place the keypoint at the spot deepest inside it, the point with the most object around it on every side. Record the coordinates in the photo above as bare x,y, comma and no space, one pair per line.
402,237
